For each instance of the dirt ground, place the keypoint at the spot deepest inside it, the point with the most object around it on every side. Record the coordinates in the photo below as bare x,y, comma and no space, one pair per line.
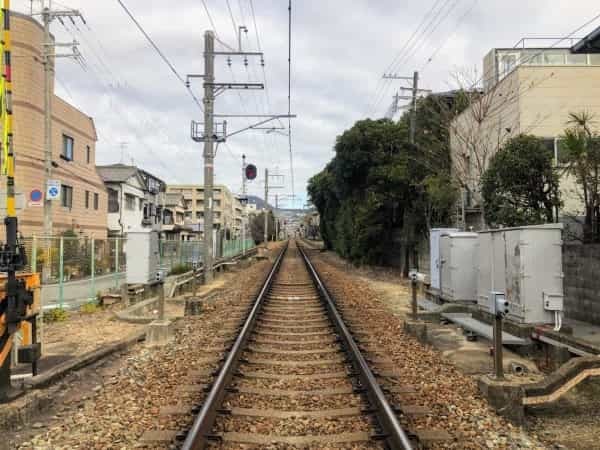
83,332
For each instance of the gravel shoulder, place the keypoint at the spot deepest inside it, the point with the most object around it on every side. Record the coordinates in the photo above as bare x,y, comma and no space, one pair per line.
570,423
452,395
110,405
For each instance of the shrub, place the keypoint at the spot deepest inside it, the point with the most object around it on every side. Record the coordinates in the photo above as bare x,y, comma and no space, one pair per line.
89,308
55,315
179,269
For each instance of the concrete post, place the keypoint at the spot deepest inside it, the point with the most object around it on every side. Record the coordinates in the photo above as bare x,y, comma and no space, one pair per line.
61,281
413,286
93,269
498,358
161,301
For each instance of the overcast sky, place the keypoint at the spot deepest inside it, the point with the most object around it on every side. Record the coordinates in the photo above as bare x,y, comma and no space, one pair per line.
340,49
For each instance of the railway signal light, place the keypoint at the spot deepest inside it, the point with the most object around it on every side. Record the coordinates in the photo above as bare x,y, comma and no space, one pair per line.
251,172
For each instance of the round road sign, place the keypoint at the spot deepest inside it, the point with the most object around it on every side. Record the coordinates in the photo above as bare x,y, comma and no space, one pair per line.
35,195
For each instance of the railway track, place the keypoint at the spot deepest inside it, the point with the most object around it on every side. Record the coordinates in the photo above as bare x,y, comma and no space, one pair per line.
295,377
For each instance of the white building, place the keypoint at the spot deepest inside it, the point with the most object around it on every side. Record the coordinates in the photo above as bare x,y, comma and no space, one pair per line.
134,198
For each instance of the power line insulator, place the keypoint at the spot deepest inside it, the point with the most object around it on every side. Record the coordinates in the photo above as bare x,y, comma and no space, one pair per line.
229,61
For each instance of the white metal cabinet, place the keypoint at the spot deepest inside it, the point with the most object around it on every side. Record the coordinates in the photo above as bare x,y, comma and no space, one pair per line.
458,253
531,263
141,248
434,255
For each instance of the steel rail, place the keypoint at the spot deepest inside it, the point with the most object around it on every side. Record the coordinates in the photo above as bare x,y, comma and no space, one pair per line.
396,437
204,421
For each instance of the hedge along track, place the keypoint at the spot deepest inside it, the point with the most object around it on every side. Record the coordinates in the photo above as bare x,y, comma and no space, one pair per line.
295,377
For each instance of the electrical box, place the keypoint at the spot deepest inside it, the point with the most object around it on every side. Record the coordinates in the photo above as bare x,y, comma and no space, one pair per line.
435,265
458,276
142,252
160,275
498,304
553,302
525,263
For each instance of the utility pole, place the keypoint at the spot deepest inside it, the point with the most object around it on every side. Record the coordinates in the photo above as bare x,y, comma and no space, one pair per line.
49,61
415,91
47,49
275,218
209,102
210,132
266,209
245,205
413,116
413,126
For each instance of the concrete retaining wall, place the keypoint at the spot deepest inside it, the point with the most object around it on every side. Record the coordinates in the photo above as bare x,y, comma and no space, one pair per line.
581,267
76,293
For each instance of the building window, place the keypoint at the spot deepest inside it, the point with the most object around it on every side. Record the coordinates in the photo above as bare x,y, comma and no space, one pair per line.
129,202
66,196
96,201
88,154
554,58
68,145
113,201
87,199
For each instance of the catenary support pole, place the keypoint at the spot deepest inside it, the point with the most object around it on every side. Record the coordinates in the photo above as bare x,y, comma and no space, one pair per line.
266,208
209,102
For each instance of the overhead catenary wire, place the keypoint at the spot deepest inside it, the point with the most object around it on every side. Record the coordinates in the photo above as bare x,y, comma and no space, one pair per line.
110,90
235,28
162,55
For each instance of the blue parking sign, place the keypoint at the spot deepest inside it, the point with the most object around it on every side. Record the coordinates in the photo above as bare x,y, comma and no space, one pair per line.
53,191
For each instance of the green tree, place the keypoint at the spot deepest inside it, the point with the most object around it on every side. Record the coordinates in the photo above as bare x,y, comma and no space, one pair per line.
580,151
520,186
378,184
257,227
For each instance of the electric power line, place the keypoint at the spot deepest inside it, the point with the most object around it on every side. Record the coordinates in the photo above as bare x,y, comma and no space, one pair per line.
381,82
445,41
429,28
161,54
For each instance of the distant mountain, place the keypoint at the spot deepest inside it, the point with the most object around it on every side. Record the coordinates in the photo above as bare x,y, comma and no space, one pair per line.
260,204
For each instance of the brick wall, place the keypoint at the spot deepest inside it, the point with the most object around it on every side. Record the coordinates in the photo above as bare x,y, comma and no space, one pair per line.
581,267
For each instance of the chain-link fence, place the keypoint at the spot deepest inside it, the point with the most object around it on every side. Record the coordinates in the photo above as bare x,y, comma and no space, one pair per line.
176,256
75,269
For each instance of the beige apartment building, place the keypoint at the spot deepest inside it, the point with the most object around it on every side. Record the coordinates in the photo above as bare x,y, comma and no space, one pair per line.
227,210
83,204
526,90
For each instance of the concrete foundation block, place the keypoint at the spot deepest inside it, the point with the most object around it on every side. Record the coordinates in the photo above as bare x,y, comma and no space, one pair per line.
193,307
557,356
416,329
505,396
160,332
